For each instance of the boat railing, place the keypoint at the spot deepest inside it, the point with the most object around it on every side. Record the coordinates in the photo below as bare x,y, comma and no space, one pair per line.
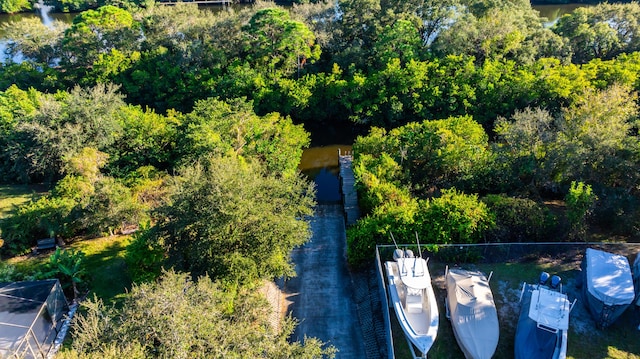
573,304
524,286
547,328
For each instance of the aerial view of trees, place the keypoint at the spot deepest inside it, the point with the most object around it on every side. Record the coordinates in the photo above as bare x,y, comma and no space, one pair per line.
468,118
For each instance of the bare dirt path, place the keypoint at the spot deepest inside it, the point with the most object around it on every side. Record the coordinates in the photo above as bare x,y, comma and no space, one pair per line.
321,295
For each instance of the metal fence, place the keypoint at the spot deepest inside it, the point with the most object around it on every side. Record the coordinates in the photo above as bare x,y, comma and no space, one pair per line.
490,253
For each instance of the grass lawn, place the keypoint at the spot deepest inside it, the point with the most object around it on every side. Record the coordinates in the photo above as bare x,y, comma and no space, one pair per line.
104,262
621,340
13,195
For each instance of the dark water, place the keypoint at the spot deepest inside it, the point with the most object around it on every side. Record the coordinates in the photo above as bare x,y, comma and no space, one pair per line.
553,12
46,18
320,164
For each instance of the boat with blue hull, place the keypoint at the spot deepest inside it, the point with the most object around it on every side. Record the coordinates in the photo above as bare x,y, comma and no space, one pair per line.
543,324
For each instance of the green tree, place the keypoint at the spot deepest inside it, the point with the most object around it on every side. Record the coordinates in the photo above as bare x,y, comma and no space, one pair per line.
219,127
400,40
62,126
230,218
14,6
358,26
277,44
148,139
499,33
96,32
183,58
34,41
433,154
525,148
433,16
16,106
180,318
596,141
602,31
111,208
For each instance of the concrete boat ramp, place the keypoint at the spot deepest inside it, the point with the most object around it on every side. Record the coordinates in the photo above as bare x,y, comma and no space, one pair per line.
331,303
321,295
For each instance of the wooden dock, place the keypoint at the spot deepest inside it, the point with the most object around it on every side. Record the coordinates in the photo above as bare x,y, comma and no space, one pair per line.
347,188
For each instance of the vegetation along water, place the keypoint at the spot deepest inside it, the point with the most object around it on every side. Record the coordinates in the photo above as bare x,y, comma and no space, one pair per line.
176,135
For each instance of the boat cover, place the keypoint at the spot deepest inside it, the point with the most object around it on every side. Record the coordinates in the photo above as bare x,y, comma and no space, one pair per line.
473,313
609,277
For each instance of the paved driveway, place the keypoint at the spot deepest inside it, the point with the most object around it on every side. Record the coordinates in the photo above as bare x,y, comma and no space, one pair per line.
320,297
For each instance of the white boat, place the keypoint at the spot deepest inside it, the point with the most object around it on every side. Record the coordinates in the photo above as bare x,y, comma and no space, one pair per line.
413,299
544,320
472,312
607,285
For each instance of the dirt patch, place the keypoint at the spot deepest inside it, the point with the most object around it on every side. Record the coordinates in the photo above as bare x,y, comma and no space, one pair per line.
275,297
508,303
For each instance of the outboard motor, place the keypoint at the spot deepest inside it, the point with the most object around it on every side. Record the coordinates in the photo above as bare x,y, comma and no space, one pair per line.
544,277
408,253
397,254
555,281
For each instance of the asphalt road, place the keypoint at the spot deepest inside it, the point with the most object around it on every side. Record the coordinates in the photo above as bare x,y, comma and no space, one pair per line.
321,295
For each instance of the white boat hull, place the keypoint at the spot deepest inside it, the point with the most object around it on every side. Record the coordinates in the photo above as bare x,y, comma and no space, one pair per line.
419,320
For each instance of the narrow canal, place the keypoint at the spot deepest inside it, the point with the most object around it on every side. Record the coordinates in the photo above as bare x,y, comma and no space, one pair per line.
320,164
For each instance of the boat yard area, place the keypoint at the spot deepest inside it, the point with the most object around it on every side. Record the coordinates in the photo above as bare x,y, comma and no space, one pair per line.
513,264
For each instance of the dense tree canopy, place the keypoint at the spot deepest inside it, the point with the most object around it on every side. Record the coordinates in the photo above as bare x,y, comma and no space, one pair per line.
182,318
230,219
189,125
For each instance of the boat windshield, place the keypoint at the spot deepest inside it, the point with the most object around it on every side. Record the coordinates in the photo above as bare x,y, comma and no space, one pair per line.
414,272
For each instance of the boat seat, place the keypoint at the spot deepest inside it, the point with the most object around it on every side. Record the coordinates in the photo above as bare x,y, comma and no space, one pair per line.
414,303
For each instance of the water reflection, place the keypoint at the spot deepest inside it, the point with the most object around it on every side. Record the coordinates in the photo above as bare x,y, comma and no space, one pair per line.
320,164
554,12
45,13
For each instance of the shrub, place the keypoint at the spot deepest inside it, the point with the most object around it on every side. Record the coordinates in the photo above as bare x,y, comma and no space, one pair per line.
518,219
144,257
43,218
580,202
378,182
374,229
111,208
68,266
454,217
